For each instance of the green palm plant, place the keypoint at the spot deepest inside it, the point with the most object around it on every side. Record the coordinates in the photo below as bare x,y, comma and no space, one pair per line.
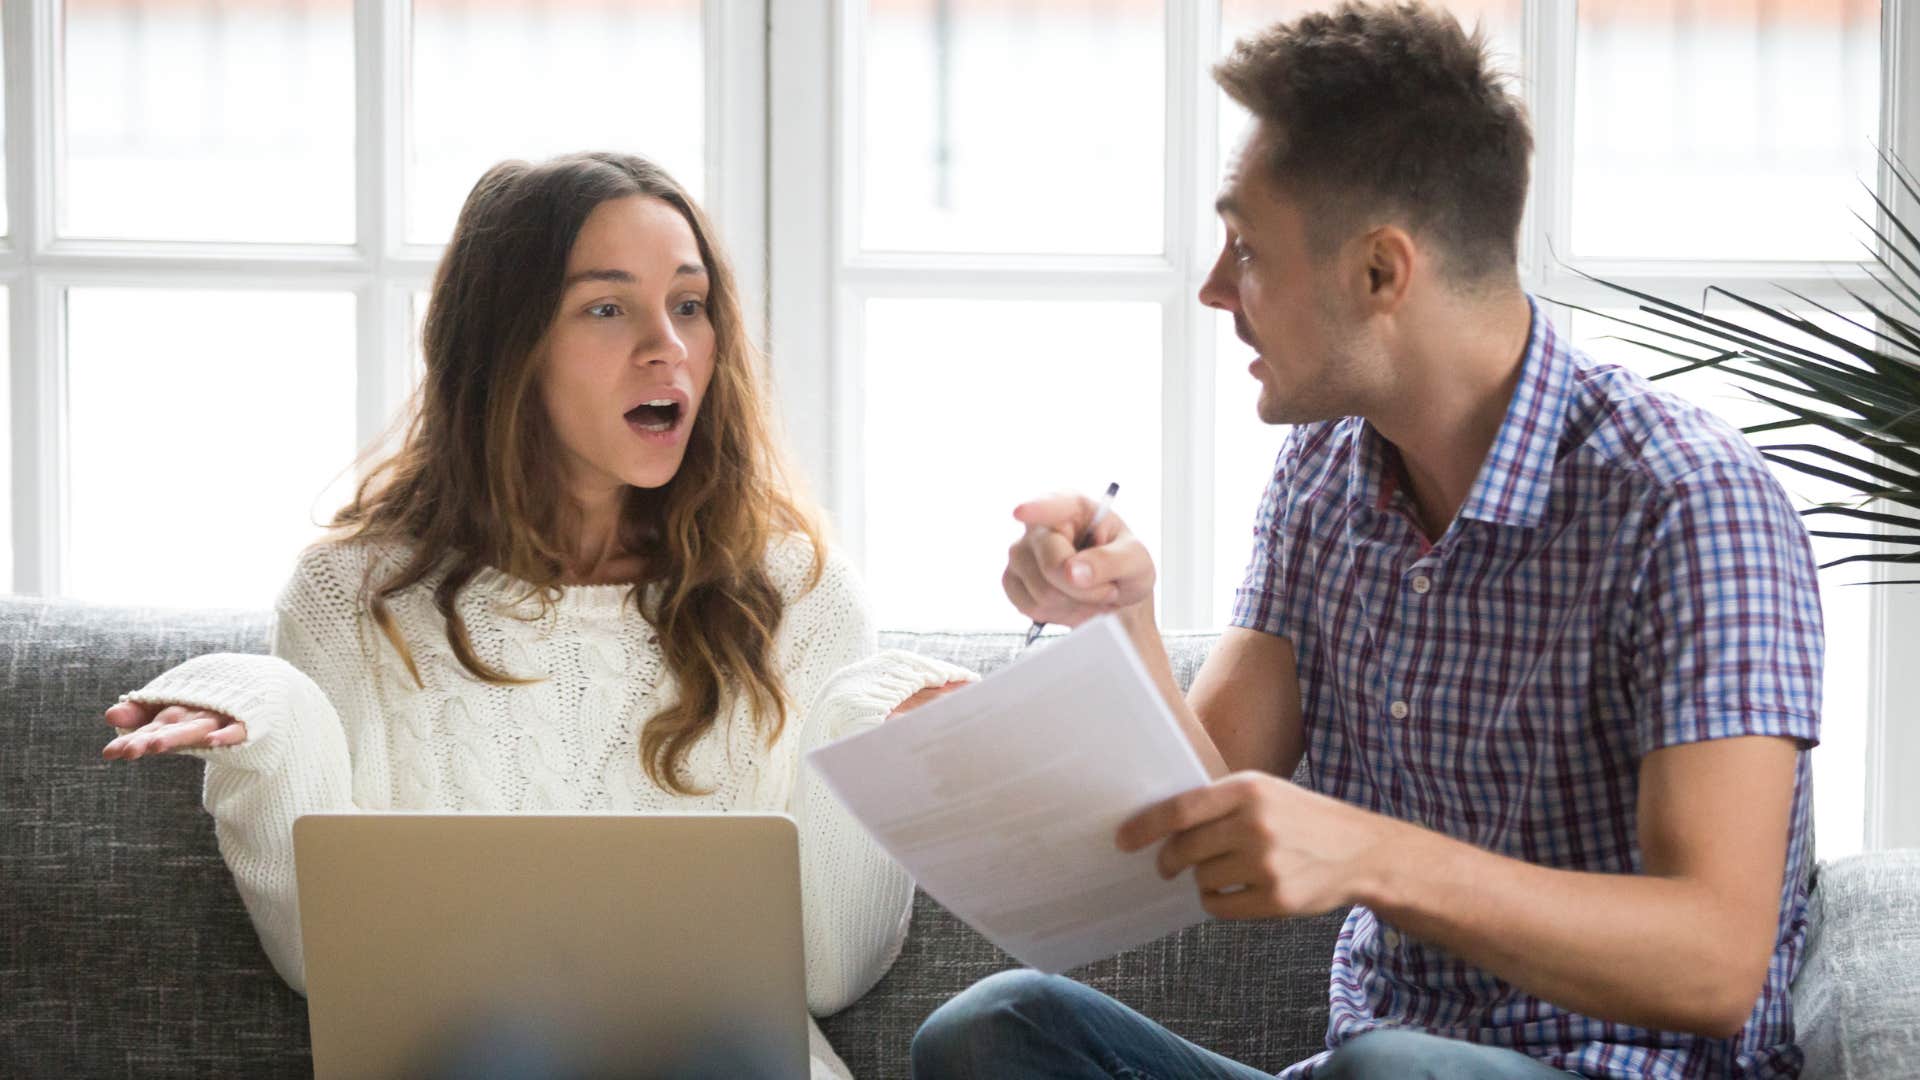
1859,380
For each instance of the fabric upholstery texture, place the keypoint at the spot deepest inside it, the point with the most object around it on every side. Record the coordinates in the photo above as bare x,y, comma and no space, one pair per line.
1857,1002
124,950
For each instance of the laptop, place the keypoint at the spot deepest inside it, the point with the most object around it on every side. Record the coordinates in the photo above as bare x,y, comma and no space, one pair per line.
619,945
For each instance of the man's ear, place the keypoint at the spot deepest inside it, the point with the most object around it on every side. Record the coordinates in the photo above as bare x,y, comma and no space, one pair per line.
1390,257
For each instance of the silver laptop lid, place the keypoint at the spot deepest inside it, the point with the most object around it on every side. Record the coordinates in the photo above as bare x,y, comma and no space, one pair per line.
602,945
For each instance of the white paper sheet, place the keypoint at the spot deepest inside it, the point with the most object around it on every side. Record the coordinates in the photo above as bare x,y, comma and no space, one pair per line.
1002,799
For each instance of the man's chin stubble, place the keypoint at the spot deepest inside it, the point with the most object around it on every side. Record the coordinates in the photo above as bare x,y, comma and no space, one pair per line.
1278,413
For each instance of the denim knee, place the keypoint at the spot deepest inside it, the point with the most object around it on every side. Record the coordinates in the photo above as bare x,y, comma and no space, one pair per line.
1400,1054
1385,1054
977,1028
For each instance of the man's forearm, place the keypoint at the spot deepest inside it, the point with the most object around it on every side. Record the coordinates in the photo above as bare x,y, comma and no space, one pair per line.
1650,951
1145,632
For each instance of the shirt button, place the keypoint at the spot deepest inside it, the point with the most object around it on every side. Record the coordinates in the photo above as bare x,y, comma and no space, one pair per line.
1390,938
1422,584
1400,710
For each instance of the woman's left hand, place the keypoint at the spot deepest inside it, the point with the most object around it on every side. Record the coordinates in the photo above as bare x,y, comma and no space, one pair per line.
921,697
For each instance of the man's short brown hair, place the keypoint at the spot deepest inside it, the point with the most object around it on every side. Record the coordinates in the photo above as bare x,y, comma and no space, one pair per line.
1391,112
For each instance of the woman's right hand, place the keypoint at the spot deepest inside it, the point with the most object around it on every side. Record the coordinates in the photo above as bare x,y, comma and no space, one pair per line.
156,729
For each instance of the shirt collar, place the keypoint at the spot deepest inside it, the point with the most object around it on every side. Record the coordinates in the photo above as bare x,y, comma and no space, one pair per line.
1517,477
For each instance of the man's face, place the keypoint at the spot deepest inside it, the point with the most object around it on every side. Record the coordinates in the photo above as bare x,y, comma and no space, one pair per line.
1291,306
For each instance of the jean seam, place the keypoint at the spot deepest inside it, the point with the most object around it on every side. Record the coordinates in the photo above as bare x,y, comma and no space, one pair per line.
1120,1069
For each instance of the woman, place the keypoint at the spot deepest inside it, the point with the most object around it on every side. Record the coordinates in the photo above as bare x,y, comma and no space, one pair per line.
582,583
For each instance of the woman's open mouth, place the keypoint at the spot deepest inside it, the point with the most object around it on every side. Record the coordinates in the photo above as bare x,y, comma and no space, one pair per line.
658,415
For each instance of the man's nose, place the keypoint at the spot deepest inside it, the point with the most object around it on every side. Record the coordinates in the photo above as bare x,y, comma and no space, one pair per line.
1220,292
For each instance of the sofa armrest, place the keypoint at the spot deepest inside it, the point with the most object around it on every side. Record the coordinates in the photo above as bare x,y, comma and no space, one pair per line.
1856,1001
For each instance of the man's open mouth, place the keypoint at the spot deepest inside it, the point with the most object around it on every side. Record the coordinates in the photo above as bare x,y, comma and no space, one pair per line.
1245,333
660,414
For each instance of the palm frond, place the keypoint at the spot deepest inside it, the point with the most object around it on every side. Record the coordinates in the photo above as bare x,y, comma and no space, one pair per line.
1855,379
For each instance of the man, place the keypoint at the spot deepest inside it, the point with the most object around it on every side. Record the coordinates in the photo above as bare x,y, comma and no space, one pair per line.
1548,641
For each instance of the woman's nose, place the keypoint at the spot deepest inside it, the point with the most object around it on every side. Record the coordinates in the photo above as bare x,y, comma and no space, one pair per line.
663,347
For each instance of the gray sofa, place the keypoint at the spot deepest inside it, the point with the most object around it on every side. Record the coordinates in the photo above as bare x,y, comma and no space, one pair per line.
124,950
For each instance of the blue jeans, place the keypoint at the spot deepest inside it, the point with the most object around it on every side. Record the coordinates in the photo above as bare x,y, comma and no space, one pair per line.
1023,1023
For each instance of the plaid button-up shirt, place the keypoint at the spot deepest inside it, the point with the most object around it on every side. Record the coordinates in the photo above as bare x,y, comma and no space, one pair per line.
1624,575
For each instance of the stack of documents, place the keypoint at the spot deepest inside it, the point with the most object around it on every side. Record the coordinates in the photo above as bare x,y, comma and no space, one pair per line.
1002,799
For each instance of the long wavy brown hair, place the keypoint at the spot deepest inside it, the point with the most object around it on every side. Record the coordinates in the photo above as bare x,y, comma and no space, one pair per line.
476,482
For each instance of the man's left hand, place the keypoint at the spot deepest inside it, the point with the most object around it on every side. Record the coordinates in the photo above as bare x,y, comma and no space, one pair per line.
922,696
1262,847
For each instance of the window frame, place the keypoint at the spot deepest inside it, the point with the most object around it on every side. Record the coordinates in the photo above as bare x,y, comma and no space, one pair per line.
780,79
820,281
380,269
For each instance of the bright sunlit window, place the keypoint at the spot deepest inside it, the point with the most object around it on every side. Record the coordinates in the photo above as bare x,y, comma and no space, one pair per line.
975,227
1019,180
224,260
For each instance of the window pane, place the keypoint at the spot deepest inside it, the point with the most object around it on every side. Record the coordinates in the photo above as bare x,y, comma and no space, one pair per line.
1245,451
529,79
204,120
1734,130
1839,763
209,434
997,126
975,406
1499,18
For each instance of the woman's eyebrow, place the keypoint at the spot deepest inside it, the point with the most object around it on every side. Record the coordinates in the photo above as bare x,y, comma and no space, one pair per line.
624,278
620,276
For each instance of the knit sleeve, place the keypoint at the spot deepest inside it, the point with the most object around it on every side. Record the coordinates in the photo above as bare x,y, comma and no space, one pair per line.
296,703
855,899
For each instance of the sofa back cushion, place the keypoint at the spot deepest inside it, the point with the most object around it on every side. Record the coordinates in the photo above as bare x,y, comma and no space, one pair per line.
124,949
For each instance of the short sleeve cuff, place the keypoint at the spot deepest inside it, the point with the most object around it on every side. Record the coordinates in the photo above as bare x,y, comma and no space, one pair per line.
1802,727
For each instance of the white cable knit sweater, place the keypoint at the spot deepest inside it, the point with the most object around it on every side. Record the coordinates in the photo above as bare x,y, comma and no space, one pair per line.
334,722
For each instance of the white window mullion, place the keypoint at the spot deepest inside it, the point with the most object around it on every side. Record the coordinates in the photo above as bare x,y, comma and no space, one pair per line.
1013,276
39,414
1689,285
802,226
1012,279
37,358
843,54
736,143
847,445
392,317
1893,737
379,50
1547,84
1186,454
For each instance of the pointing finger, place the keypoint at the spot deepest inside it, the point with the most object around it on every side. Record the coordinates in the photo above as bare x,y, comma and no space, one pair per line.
1063,512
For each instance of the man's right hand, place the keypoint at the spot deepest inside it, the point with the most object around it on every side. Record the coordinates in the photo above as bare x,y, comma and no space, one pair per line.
154,729
1050,582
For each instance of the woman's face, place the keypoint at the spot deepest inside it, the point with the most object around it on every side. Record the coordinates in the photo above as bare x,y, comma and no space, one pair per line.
626,362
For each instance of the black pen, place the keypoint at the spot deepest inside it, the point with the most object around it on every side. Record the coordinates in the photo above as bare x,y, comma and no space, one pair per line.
1082,544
